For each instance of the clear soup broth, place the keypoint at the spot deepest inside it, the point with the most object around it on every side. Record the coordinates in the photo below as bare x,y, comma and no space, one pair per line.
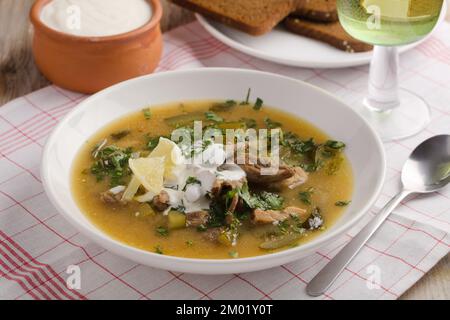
324,195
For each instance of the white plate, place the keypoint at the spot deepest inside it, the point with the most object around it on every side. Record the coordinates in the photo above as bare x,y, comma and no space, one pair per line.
284,47
364,151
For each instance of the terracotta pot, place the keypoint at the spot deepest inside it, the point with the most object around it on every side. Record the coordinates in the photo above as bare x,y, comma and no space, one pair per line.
90,64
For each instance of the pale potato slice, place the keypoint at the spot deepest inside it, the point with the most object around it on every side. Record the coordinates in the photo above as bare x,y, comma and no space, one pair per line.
149,172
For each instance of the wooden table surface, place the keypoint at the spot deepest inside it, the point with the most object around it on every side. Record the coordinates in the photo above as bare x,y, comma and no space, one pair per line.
19,76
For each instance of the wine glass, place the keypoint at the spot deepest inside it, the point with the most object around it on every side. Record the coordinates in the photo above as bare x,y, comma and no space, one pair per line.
394,113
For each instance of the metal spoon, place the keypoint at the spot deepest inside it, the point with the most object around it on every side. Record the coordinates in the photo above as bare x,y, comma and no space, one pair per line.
427,170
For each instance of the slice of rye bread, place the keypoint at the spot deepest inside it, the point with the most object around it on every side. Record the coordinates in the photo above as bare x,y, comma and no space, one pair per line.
332,33
255,17
317,10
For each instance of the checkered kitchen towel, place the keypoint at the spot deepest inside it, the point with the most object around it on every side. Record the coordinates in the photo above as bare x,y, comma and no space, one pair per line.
37,245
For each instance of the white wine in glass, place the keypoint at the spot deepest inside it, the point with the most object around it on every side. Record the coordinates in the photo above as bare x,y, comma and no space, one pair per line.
394,113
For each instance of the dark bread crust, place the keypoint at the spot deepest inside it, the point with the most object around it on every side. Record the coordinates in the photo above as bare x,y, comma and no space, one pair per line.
255,17
332,33
317,10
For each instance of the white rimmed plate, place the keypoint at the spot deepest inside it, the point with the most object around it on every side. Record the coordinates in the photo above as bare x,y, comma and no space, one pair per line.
364,151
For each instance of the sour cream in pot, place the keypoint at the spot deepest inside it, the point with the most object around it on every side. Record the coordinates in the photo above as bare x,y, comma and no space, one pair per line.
96,18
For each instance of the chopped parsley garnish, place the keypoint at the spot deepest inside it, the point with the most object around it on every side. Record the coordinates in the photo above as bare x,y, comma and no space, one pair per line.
223,106
247,98
147,113
121,134
258,104
272,124
213,117
233,254
162,231
206,144
217,213
191,180
264,200
111,161
189,243
158,249
230,235
152,142
298,145
315,156
342,203
309,167
249,123
305,196
336,145
270,201
202,228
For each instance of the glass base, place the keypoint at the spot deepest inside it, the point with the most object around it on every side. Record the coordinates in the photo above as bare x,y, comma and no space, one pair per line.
408,118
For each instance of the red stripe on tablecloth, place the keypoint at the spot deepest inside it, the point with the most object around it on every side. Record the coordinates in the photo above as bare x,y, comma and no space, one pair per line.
109,281
33,105
305,282
361,277
43,269
178,63
184,58
33,123
26,270
61,91
26,199
20,166
189,284
371,261
24,142
321,258
43,253
219,46
230,51
320,75
71,243
11,124
219,286
12,132
30,227
404,204
436,49
157,288
23,276
394,257
181,53
265,295
419,230
423,258
19,280
189,50
35,120
18,135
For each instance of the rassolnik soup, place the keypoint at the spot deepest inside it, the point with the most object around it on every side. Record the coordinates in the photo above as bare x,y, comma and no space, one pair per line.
140,182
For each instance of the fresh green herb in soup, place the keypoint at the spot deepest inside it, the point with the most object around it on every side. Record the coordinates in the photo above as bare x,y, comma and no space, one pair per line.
133,182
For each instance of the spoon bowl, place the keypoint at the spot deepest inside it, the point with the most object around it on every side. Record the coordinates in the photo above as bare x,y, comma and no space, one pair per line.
426,170
428,167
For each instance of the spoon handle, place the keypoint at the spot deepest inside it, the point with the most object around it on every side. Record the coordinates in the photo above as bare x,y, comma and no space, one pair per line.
325,278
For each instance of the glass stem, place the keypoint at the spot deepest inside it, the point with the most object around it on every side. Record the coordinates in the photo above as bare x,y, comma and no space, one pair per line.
383,81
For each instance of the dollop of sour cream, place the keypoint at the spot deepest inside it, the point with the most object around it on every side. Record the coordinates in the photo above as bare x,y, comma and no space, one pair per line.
96,18
208,166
